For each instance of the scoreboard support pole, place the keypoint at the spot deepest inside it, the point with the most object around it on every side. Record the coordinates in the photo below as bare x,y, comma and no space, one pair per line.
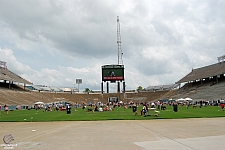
102,87
118,87
107,87
124,87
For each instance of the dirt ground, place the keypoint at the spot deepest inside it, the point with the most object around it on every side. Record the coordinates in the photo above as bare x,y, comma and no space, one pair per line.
185,134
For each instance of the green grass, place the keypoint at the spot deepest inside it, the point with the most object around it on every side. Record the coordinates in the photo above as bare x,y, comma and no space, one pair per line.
117,114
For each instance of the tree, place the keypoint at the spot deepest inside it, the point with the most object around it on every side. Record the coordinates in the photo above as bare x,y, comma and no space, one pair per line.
139,88
87,90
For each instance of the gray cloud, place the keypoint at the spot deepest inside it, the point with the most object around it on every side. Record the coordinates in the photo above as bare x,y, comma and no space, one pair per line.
159,38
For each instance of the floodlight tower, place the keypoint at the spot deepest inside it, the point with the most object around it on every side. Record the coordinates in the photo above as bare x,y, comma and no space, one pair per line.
221,58
120,53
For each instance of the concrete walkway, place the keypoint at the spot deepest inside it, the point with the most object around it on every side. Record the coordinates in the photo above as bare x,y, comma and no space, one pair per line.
184,134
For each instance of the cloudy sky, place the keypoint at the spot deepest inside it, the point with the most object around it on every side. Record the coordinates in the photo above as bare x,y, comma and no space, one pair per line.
55,42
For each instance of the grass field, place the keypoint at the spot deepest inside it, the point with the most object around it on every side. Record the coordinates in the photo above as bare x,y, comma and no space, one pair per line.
117,114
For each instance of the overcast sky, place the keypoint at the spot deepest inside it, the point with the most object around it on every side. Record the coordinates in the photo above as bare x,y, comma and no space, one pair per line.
55,42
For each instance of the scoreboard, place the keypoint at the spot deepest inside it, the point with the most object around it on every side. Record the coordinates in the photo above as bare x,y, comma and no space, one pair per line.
113,73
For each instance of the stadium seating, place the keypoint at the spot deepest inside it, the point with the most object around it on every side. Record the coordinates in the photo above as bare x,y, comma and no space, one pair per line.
210,88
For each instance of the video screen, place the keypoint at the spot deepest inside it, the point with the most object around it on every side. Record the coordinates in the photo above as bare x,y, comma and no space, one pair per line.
113,73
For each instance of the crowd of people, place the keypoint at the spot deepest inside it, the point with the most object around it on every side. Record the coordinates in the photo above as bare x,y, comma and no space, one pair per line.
111,106
99,106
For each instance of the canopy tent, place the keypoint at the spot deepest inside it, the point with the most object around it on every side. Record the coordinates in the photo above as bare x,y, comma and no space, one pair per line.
39,103
184,99
180,99
188,99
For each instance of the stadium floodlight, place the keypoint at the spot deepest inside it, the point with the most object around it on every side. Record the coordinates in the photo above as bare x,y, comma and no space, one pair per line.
221,58
3,64
78,82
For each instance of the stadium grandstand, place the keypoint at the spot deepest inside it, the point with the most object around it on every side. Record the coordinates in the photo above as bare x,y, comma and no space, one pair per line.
9,77
162,87
205,83
43,88
211,72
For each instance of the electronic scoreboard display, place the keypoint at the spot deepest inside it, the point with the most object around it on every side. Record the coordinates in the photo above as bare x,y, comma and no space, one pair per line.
113,73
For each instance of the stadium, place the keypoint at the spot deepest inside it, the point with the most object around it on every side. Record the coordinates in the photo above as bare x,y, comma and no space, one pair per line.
205,83
49,43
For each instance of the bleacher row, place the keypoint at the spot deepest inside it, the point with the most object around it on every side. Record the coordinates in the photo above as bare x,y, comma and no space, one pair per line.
17,97
162,87
42,88
205,91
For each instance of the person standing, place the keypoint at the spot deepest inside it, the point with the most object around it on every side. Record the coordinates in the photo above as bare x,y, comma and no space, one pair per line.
222,106
6,108
201,104
187,104
76,106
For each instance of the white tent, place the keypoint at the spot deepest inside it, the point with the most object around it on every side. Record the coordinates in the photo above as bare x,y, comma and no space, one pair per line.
188,99
180,99
39,103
